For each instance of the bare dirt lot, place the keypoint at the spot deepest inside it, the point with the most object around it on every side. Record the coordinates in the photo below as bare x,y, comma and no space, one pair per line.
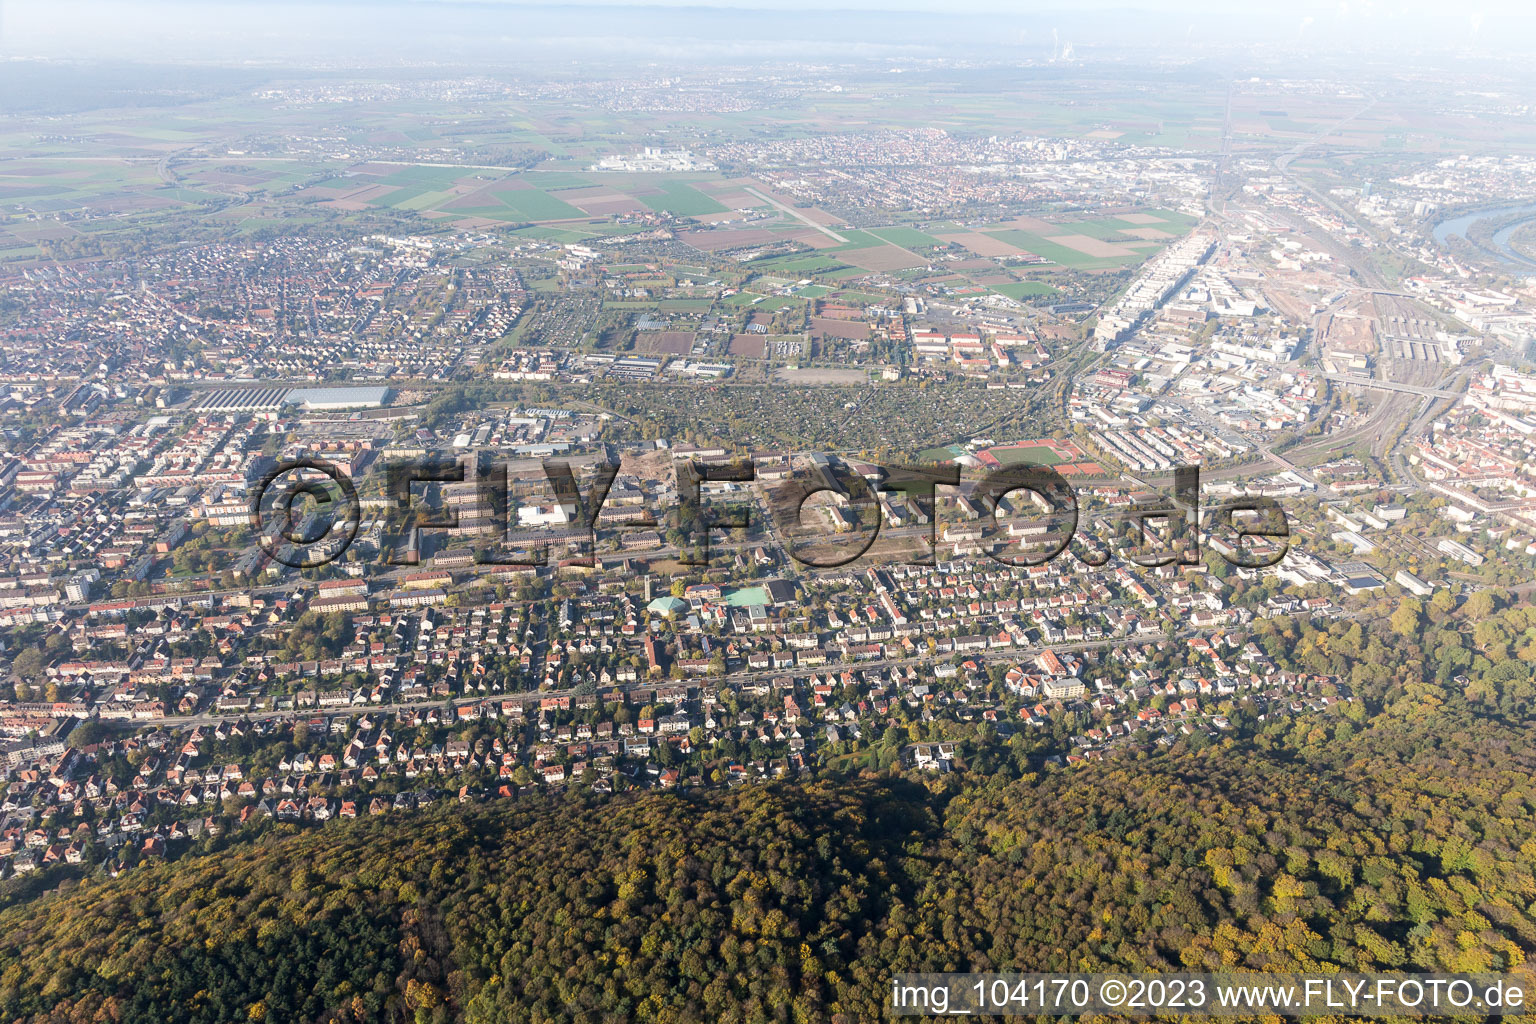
749,346
850,329
672,343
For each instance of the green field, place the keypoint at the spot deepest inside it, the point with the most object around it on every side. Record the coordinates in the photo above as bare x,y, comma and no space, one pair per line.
400,195
682,200
945,454
1105,229
799,265
427,177
1061,254
424,201
907,238
189,195
813,264
1024,289
555,179
857,240
1034,455
1180,221
862,298
776,302
549,234
609,230
532,204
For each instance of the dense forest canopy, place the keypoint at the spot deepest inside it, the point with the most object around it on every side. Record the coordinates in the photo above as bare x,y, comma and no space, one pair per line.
1409,847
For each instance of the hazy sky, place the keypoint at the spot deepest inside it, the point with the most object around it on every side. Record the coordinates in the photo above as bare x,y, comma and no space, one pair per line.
432,30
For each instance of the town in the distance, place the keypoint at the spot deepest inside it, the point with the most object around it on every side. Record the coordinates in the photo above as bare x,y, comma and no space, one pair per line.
1317,287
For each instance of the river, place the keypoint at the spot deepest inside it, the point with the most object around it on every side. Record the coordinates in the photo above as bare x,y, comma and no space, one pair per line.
1500,242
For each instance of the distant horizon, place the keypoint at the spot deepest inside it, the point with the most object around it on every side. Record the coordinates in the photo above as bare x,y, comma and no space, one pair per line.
512,30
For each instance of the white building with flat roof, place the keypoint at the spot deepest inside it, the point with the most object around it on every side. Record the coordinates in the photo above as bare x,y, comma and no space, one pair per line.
337,399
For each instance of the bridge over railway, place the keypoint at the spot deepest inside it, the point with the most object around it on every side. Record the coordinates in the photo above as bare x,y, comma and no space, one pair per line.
1387,385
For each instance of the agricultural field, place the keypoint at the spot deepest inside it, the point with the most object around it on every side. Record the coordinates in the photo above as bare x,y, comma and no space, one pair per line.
801,265
681,200
907,238
1097,243
1022,290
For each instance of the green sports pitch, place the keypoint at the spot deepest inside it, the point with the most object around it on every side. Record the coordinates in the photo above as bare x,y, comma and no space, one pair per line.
1032,454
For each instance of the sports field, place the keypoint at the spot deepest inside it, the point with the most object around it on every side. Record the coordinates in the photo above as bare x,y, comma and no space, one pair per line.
1034,455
